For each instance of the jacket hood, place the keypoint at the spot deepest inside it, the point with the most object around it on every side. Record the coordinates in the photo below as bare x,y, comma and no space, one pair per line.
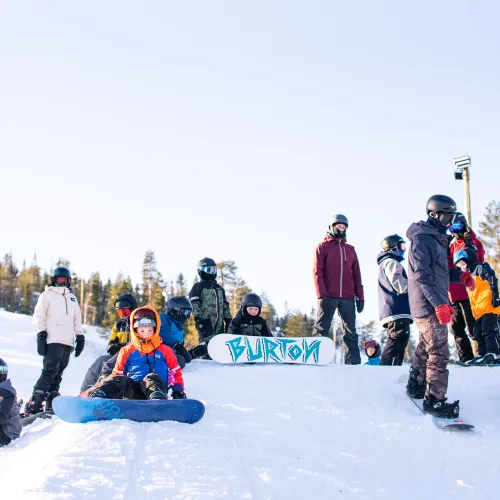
130,298
388,255
155,340
422,227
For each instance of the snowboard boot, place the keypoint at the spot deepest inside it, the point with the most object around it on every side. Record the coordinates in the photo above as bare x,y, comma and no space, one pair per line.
50,396
97,393
414,388
35,404
490,358
157,395
440,408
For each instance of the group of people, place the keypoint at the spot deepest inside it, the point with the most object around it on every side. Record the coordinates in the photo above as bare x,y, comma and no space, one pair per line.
448,283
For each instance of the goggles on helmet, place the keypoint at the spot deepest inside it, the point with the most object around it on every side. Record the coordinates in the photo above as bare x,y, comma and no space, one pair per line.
446,218
456,227
208,269
61,280
124,313
370,343
182,312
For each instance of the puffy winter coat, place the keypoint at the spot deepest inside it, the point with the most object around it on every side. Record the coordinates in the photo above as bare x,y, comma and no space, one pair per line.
244,324
58,313
481,298
457,290
428,271
373,361
336,270
171,331
120,334
10,422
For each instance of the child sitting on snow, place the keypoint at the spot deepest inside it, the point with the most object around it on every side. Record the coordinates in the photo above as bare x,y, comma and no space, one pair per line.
145,368
10,421
485,305
372,350
248,320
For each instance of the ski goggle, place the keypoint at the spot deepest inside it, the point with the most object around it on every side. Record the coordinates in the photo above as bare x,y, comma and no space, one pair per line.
183,312
370,343
208,269
456,227
446,218
124,313
61,280
123,304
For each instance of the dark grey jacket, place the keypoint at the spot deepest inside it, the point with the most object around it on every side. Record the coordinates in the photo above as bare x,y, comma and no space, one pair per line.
10,421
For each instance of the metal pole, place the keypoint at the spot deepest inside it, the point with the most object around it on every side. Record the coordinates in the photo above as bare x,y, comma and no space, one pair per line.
467,195
82,284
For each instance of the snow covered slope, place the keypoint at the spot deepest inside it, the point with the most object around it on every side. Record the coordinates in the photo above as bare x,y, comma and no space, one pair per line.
270,432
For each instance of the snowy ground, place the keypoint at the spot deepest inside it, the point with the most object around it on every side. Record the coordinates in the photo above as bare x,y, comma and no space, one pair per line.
270,432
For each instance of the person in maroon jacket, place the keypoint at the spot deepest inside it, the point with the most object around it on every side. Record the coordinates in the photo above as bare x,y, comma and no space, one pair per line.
337,278
463,237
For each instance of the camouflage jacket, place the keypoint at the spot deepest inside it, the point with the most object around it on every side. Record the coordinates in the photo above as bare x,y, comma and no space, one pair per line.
210,308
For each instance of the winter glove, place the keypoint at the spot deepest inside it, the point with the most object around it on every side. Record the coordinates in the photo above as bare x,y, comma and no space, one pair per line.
207,329
199,351
182,351
178,395
113,348
80,344
360,305
495,300
41,343
444,312
226,324
467,280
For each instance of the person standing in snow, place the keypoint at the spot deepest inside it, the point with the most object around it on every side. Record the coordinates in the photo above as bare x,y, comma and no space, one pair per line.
428,281
10,421
463,319
337,279
58,319
394,307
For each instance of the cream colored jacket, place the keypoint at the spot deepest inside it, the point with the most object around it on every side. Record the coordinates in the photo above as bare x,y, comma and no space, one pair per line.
58,313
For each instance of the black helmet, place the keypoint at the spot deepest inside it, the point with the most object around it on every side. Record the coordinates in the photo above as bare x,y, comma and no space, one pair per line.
251,300
392,241
180,308
126,301
459,226
60,272
4,370
207,269
442,208
339,219
468,255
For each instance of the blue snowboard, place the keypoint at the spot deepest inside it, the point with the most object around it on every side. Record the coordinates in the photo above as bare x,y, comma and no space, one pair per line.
81,410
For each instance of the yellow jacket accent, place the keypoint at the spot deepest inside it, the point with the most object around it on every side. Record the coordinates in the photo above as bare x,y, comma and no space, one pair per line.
481,299
120,334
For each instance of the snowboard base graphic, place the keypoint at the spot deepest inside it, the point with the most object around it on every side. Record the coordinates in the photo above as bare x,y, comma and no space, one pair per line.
226,348
81,410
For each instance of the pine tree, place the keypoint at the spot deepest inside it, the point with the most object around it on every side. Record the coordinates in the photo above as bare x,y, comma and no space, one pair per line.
9,295
153,286
297,325
490,234
181,285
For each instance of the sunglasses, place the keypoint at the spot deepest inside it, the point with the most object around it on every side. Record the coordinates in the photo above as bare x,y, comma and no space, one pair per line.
208,269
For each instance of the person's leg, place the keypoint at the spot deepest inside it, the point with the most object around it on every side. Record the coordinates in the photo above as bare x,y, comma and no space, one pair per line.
416,385
153,387
491,334
63,363
4,439
347,313
51,362
92,375
326,310
398,334
470,322
180,360
478,335
457,328
112,387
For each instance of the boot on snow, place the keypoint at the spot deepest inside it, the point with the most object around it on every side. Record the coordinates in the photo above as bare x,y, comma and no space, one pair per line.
414,388
440,408
35,404
490,358
50,396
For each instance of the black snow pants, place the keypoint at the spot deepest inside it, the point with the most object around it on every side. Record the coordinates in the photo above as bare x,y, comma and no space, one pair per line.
4,439
347,312
487,335
121,387
398,334
462,321
93,373
55,361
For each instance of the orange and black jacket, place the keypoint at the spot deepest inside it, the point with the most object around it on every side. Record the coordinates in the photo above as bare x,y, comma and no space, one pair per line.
486,293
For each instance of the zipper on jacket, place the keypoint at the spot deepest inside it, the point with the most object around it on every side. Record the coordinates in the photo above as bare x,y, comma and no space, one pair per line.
65,300
341,269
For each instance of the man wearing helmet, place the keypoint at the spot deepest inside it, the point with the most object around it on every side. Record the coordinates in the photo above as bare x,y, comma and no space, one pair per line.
58,320
394,307
10,421
428,281
337,278
210,307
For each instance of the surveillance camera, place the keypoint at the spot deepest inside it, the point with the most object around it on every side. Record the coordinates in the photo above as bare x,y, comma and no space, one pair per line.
459,175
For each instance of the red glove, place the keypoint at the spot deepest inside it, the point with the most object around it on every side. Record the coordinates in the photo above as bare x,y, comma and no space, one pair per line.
467,280
444,312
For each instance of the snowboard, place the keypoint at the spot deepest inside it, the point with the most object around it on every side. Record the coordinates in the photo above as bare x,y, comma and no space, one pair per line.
227,348
78,410
489,365
31,418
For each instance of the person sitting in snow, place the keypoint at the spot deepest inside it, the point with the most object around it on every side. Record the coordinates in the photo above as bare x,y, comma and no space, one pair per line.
372,350
10,420
145,368
248,320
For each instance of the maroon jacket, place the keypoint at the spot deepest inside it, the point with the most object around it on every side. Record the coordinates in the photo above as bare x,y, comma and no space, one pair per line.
336,270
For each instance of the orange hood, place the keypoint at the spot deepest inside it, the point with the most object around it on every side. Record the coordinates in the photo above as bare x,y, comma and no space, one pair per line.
154,341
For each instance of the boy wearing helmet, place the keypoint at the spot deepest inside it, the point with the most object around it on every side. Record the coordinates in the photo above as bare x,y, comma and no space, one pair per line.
485,304
58,320
145,368
210,307
248,320
394,307
10,421
428,281
372,351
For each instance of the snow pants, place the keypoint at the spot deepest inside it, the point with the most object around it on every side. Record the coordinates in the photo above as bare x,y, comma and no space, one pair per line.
487,335
398,334
462,321
92,375
4,439
55,361
347,312
432,355
121,387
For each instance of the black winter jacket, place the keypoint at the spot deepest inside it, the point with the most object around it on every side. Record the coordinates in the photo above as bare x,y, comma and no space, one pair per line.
244,324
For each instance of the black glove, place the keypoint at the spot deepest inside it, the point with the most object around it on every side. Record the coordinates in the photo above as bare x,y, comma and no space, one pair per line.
226,324
178,395
207,329
200,351
360,305
182,351
495,300
41,343
80,344
113,348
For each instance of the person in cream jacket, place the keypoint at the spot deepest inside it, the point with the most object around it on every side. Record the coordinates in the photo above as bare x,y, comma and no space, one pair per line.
58,320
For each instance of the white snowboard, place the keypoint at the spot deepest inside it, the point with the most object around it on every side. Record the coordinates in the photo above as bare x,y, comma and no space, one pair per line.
226,348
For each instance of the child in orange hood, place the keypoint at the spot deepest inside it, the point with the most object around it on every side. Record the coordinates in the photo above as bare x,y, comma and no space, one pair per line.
145,368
